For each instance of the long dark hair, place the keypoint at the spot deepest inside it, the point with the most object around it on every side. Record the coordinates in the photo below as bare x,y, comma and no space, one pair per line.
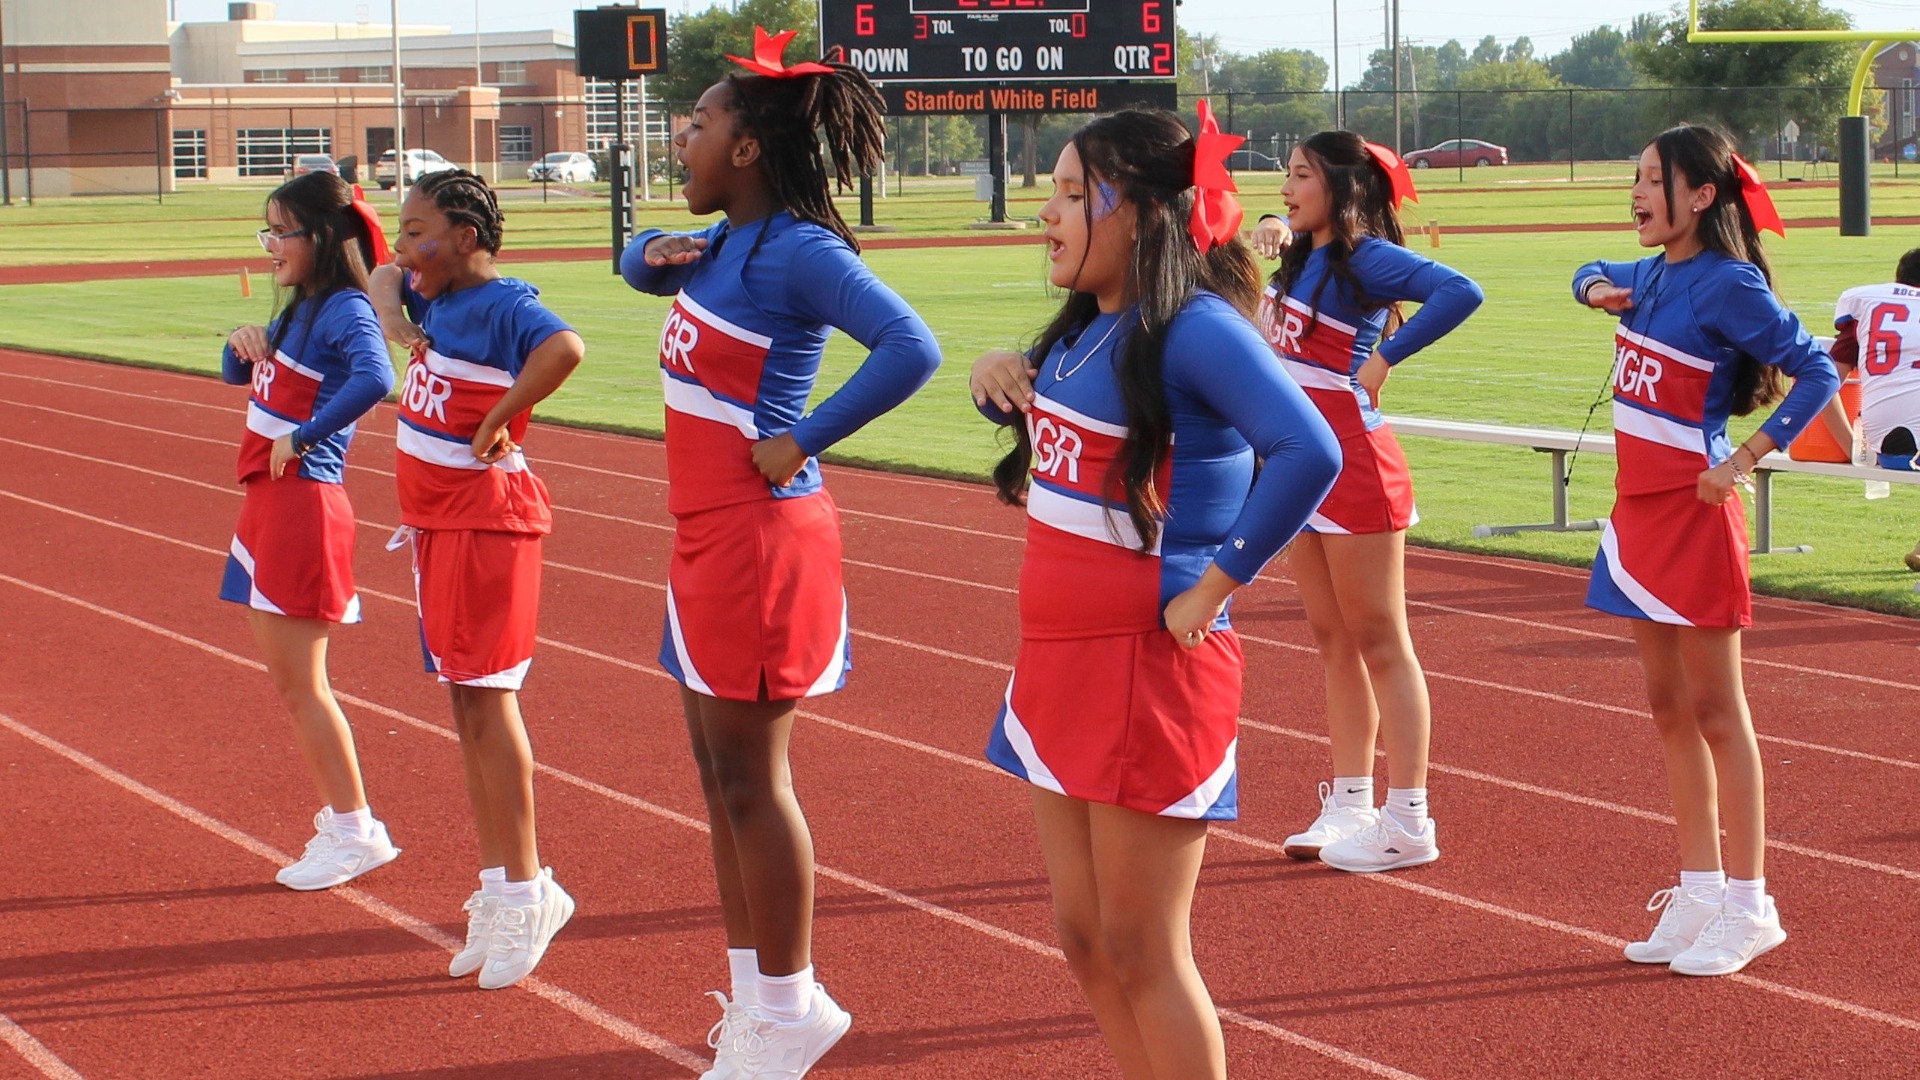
322,205
793,118
1705,156
1360,205
1147,156
466,199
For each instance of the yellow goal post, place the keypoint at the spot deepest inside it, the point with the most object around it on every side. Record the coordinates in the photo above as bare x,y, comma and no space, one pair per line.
1876,40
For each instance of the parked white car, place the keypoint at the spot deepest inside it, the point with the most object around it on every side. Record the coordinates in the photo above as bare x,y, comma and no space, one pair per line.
563,167
419,164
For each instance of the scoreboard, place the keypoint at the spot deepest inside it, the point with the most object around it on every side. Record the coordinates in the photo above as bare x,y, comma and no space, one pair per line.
1007,55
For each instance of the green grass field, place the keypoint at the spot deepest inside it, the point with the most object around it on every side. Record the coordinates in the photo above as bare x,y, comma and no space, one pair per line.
1529,356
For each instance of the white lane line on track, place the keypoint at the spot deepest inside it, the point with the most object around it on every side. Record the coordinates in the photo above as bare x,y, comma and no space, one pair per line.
999,933
1815,610
367,902
33,1050
1437,554
1850,1008
1544,695
559,430
1002,667
568,1000
1803,607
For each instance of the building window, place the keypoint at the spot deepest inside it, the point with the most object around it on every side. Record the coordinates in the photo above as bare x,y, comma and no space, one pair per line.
270,151
516,142
512,72
269,75
602,128
382,73
328,75
190,154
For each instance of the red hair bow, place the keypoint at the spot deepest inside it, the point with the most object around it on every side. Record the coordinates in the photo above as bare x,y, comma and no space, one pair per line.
768,58
375,234
1754,193
1216,213
1399,177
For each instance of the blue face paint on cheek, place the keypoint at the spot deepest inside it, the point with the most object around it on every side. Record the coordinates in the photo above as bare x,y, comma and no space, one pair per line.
429,249
1108,201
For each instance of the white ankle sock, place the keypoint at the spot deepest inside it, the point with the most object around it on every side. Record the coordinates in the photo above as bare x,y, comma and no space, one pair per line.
1747,896
787,998
1713,881
1408,807
1354,792
492,880
354,823
521,893
743,965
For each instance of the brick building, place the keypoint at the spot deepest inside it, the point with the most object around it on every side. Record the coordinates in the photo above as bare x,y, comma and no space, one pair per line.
107,96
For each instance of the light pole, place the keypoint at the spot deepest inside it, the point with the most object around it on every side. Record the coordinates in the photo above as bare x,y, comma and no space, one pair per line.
399,117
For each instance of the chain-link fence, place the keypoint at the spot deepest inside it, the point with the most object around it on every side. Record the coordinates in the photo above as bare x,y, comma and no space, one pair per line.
1790,129
1585,132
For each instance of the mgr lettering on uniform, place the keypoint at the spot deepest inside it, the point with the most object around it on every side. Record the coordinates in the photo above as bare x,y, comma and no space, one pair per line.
1055,446
1284,327
426,393
678,338
1639,373
263,373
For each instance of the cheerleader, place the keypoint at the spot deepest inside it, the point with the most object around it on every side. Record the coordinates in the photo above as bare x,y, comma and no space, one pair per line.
1138,416
756,615
1702,337
1332,313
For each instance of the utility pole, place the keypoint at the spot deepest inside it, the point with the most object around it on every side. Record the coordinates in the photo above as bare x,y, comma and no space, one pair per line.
1336,64
1393,34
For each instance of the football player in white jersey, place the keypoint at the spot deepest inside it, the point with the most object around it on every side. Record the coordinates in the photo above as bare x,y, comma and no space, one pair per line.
1878,331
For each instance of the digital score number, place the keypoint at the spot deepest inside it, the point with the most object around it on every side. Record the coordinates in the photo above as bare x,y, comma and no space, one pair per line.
949,41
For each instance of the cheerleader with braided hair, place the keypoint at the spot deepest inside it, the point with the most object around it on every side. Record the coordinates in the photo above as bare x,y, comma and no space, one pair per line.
756,616
485,351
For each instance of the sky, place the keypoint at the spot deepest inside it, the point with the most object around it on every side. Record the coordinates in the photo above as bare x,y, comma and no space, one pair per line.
1242,25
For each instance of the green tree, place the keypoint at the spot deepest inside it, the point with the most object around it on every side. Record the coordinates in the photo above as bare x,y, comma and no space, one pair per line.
697,45
1487,52
1794,69
1520,51
1599,57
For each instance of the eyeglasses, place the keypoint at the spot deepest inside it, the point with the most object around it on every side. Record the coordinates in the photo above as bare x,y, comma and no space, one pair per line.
269,240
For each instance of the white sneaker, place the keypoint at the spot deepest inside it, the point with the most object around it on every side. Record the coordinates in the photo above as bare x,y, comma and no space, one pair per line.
1688,911
1731,941
481,911
1334,823
521,933
769,1049
734,1018
1384,845
335,858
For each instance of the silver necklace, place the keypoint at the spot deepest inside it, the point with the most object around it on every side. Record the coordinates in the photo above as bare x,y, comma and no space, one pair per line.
1061,372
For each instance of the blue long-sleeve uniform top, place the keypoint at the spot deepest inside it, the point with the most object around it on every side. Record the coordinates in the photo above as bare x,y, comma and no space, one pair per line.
332,368
1676,354
743,345
1326,340
1230,403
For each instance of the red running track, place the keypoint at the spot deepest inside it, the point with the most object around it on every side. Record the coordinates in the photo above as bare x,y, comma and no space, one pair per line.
151,785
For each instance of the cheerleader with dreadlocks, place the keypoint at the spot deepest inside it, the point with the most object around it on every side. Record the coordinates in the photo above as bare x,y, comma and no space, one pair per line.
485,351
756,616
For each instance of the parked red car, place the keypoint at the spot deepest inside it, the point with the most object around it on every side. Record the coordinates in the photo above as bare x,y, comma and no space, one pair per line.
1455,152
